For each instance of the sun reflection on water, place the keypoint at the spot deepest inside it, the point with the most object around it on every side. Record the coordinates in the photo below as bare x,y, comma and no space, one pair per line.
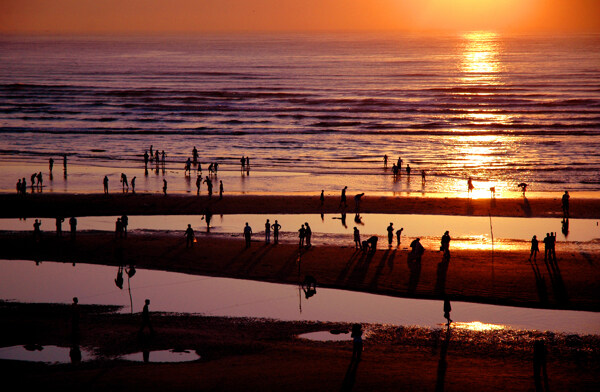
478,326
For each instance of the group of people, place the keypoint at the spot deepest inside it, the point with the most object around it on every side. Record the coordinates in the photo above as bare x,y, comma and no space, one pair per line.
22,184
549,247
121,226
37,232
276,227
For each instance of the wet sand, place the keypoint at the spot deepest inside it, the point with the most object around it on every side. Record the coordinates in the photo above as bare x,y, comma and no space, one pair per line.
573,282
52,204
258,355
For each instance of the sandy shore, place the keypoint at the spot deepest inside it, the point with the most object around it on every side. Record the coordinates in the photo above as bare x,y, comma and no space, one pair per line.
471,275
258,355
51,205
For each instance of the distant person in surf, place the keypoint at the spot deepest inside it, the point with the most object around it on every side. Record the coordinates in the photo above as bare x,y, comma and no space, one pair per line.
19,187
470,186
357,244
198,182
267,232
220,189
51,164
188,167
565,204
105,182
65,162
243,163
399,163
165,187
398,235
195,154
301,236
40,181
343,197
322,197
423,177
445,245
133,184
276,227
248,235
146,157
124,182
523,187
209,185
385,159
124,224
408,169
33,178
308,234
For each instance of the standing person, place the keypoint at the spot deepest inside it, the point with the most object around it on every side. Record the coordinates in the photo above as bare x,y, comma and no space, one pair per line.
220,189
151,153
390,230
146,157
24,186
423,177
188,167
165,187
209,185
118,228
408,169
247,234
39,181
243,163
146,319
65,162
445,244
357,244
343,197
357,346
447,310
398,235
59,221
73,224
164,158
301,235
552,242
124,224
470,186
105,182
133,185
124,182
51,164
19,187
547,245
385,159
276,226
534,248
399,164
33,178
322,197
417,250
37,233
267,232
308,234
565,204
198,182
195,154
189,236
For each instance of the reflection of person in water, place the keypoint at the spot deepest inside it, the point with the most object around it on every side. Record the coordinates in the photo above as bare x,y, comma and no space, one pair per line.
309,286
119,278
447,310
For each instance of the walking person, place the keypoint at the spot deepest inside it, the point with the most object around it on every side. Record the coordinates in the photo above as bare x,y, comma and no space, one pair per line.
308,234
189,236
343,197
50,165
73,224
267,232
165,187
534,248
390,230
39,182
198,182
445,245
220,189
247,235
276,226
357,244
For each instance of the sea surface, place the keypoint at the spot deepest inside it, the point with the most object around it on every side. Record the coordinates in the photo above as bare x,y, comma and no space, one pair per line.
321,109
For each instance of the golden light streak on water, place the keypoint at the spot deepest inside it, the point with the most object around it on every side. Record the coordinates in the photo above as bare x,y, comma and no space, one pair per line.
478,326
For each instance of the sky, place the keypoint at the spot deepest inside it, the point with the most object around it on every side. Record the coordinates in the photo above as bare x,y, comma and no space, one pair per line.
176,16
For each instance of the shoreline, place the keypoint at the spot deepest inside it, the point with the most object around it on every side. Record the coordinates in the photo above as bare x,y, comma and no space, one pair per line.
52,205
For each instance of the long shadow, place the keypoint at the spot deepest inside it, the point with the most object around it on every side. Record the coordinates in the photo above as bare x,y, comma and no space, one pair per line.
470,210
255,258
350,377
414,265
288,266
443,364
442,272
558,285
526,207
346,269
540,282
380,268
361,268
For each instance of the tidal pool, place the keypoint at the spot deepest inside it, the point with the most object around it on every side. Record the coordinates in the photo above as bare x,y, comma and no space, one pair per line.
23,281
48,354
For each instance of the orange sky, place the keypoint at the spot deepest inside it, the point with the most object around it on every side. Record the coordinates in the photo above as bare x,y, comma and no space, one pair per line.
115,16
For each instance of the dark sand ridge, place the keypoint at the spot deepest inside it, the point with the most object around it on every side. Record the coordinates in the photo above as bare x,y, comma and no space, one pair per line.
471,275
258,355
51,205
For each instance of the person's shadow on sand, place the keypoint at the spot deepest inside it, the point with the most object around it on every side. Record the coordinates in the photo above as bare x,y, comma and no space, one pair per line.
443,363
350,377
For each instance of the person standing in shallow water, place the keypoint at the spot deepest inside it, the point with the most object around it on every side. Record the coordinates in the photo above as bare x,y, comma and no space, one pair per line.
308,234
343,197
357,244
267,232
322,197
565,204
220,189
301,235
105,182
247,235
399,234
165,187
390,230
37,233
534,248
276,226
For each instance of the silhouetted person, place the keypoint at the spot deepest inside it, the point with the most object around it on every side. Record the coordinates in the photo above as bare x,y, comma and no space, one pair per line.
33,178
308,233
547,246
124,182
398,235
188,167
195,154
493,192
124,224
357,346
75,319
119,278
301,236
146,157
445,245
276,226
390,231
523,187
470,186
267,232
357,199
73,224
19,187
65,162
37,233
343,197
399,163
133,184
59,221
247,235
40,181
243,163
105,182
534,248
24,186
165,187
539,365
417,250
322,197
198,183
385,159
370,244
408,169
118,228
163,157
220,189
146,319
189,236
552,242
565,204
357,244
209,186
151,153
447,310
51,164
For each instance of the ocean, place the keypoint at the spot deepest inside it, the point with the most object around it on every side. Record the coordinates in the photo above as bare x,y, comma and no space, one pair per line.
312,111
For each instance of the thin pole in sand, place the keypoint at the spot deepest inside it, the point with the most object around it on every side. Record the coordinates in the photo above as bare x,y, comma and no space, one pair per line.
492,232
